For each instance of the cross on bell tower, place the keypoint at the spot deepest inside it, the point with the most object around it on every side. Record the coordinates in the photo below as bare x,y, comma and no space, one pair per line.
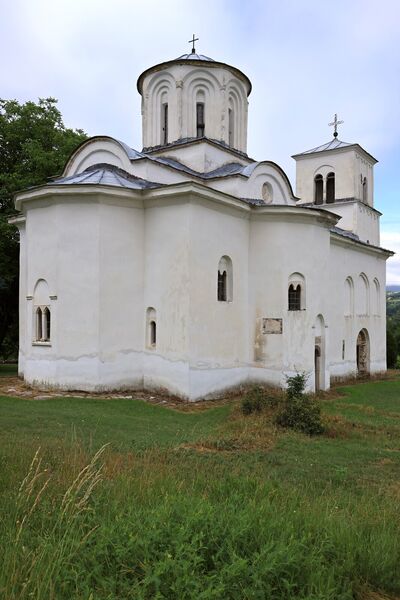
334,124
192,41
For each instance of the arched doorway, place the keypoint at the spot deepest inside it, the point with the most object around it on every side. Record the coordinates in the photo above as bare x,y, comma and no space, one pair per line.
317,368
363,352
319,354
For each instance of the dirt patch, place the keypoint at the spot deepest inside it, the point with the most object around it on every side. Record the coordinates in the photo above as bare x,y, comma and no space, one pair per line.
17,388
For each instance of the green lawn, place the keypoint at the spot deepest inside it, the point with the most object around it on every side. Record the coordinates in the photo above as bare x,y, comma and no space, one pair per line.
202,505
8,370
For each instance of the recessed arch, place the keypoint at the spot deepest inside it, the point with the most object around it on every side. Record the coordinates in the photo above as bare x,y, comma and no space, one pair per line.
376,297
349,296
363,295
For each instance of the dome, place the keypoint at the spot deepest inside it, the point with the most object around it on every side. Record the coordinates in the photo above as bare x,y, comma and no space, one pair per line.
194,56
194,97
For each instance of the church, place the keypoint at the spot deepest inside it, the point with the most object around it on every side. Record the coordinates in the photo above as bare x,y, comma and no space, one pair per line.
191,268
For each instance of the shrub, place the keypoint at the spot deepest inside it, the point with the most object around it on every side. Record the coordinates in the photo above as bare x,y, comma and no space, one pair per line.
256,399
300,411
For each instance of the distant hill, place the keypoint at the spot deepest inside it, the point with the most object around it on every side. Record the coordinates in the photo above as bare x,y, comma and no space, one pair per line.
393,288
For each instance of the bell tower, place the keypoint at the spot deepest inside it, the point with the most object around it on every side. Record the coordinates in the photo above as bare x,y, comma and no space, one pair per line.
339,176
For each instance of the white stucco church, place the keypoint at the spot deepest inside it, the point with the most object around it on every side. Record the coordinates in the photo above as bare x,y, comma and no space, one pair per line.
189,266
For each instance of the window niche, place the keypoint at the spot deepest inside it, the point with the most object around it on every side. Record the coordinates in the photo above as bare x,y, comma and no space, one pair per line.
224,280
151,328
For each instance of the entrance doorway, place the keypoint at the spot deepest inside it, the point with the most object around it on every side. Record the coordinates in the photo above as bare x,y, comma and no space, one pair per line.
363,352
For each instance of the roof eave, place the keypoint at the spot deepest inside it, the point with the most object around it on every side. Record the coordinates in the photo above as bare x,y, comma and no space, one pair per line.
207,63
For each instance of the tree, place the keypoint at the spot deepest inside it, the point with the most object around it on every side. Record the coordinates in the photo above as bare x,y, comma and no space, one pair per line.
391,349
34,145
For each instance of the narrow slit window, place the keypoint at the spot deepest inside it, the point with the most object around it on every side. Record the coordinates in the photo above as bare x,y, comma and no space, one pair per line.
46,324
222,296
164,132
153,333
39,324
231,126
365,190
200,124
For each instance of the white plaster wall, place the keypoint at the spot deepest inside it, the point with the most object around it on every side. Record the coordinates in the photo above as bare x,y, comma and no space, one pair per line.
92,259
347,326
303,248
218,353
166,289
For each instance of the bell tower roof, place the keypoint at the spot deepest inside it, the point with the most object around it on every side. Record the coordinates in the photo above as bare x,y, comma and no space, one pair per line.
335,144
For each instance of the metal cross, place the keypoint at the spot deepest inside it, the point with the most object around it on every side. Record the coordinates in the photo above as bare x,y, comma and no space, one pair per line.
334,124
192,42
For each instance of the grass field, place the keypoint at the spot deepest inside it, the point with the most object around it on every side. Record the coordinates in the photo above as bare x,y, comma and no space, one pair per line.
201,505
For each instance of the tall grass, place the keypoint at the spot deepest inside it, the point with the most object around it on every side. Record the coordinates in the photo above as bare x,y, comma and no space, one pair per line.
44,534
176,525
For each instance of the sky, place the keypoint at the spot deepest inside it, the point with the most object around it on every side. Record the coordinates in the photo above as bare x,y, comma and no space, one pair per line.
307,59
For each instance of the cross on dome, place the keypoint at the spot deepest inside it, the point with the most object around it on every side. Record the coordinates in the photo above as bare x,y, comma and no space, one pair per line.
192,41
334,124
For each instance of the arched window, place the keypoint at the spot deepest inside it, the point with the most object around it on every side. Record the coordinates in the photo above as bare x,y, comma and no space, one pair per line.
224,280
330,188
231,125
365,191
42,312
296,292
348,297
151,328
318,189
294,297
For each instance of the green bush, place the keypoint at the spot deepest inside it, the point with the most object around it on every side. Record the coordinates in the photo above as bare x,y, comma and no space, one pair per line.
300,412
256,399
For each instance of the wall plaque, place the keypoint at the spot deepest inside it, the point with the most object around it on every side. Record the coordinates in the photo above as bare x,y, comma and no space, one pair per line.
272,325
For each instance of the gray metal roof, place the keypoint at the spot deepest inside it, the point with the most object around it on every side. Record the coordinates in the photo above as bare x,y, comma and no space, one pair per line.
193,56
332,145
105,174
